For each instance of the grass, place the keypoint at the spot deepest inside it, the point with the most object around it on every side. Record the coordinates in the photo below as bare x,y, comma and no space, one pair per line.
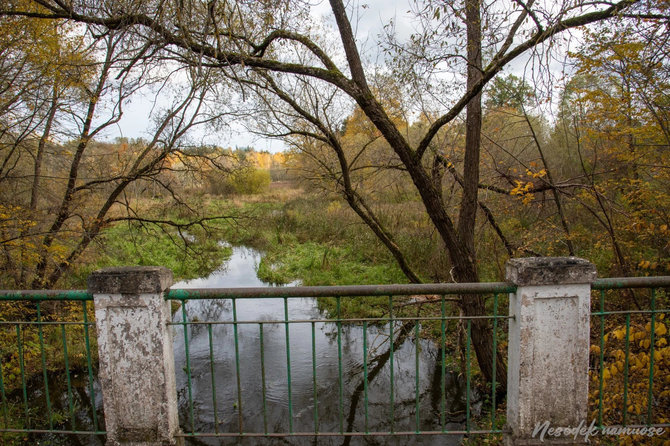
189,255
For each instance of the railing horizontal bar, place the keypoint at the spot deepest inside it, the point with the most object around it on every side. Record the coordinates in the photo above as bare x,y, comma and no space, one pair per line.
346,290
604,313
50,431
396,289
336,434
613,283
31,295
48,323
332,321
370,434
342,291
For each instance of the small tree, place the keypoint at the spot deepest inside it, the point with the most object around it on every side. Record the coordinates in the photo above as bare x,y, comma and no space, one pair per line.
85,187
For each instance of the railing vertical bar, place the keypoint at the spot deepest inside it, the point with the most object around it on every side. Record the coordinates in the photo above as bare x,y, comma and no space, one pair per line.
625,372
417,348
442,365
263,388
5,413
602,358
288,367
184,319
40,333
67,375
340,380
314,382
211,371
237,369
365,374
467,376
650,395
391,394
89,365
495,353
22,369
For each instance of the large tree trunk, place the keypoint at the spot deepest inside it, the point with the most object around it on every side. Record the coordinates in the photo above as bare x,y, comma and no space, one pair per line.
475,305
473,127
482,334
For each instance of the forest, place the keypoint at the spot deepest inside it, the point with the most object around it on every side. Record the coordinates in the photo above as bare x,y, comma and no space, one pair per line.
425,153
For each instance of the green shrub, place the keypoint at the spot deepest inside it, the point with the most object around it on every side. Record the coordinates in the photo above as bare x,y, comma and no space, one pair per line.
250,181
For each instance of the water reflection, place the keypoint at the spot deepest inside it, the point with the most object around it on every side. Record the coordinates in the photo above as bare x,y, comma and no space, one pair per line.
317,402
71,410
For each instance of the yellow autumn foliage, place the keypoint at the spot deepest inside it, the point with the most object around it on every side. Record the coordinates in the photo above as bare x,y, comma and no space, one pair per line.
630,355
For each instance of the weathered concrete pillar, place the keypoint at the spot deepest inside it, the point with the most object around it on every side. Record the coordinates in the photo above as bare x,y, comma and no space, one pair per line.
548,356
136,357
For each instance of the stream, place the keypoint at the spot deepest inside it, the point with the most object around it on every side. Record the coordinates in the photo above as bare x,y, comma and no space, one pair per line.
240,271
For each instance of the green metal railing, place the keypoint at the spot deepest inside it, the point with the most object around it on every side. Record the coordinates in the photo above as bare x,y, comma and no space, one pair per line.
630,352
424,315
603,396
48,359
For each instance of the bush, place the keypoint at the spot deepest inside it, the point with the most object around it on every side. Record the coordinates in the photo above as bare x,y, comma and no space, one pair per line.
250,180
244,181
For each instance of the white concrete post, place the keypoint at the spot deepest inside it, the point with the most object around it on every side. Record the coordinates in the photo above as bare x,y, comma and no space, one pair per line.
136,357
548,353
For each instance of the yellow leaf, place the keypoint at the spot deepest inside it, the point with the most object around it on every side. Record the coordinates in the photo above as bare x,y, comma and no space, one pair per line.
619,334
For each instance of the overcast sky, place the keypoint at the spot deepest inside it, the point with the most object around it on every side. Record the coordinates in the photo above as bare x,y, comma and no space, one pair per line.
368,24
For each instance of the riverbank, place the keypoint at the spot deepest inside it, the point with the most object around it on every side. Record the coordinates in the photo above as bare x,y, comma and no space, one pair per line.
305,237
302,236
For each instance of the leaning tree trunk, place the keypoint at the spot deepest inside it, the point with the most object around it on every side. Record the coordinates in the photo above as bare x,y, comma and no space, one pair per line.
460,246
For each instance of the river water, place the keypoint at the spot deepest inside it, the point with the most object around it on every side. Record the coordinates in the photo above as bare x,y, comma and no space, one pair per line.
326,410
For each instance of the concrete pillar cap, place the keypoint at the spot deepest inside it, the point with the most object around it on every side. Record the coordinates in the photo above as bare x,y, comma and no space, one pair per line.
530,271
130,280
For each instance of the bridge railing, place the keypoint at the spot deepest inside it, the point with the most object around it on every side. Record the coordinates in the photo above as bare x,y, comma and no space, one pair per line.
385,393
48,363
293,362
630,353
